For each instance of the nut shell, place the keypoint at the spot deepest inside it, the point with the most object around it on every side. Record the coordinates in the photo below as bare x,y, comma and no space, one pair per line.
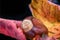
37,29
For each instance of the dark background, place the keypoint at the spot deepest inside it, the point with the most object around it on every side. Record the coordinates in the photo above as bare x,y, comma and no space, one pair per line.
15,9
56,1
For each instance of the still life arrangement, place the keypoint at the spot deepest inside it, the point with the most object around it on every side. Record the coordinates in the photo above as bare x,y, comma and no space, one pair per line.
44,24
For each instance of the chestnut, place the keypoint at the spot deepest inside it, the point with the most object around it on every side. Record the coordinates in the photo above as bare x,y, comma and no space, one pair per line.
32,27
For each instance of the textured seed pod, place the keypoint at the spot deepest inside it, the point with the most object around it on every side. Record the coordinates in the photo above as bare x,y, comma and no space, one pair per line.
32,27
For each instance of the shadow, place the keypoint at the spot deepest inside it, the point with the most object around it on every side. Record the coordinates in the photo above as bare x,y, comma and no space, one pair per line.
3,37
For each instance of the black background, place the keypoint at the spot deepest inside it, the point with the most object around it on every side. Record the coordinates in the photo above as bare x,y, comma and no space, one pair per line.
4,37
15,9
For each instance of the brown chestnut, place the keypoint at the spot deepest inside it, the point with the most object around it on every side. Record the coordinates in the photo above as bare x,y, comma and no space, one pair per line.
33,26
